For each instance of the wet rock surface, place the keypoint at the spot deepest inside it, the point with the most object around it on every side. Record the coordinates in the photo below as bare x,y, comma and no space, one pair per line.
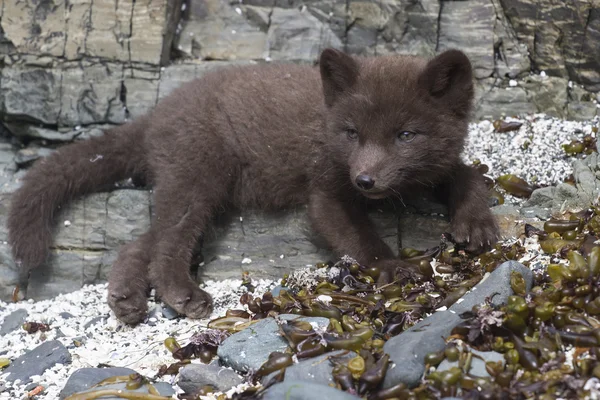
250,348
407,350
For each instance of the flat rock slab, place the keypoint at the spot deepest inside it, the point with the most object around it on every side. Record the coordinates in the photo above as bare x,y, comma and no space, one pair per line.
407,350
84,378
192,377
13,321
301,390
37,361
250,348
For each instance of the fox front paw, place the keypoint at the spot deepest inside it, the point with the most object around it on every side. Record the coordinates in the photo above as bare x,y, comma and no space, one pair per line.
477,231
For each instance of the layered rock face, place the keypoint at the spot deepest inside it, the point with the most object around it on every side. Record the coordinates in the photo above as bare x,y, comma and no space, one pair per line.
71,69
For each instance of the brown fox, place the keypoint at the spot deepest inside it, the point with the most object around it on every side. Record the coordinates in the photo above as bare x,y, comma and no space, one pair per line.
268,137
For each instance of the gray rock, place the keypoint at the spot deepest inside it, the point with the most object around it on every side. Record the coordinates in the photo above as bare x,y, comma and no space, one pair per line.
30,91
407,350
24,130
567,198
38,360
547,93
66,315
477,362
315,370
193,377
28,155
82,380
559,42
85,378
298,36
494,98
214,30
542,213
302,390
168,312
13,321
250,348
542,197
465,25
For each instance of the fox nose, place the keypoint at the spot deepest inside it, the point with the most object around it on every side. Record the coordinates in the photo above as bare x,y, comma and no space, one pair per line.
364,182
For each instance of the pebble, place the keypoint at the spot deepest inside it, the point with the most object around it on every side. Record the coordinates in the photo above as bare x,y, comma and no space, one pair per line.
407,350
250,348
193,377
169,313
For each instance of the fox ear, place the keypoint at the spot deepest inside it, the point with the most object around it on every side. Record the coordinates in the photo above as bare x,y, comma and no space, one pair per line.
339,73
449,78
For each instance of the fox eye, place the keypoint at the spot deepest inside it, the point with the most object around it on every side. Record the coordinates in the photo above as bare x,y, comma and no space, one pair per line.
351,133
406,136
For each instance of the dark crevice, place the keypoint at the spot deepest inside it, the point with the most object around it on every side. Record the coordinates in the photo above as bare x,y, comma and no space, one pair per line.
130,35
123,97
439,26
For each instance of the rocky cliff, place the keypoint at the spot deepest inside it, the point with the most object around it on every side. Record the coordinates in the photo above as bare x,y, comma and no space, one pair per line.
70,69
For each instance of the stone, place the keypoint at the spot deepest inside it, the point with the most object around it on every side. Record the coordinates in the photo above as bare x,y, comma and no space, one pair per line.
562,37
467,26
30,154
408,28
82,104
512,58
36,361
168,312
580,106
408,349
512,221
295,35
82,380
128,31
214,30
477,366
192,377
95,321
250,348
542,197
494,98
542,213
302,390
316,369
13,321
548,94
23,130
566,198
31,91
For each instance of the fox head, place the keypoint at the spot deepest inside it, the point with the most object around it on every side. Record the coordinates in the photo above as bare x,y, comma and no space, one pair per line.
396,121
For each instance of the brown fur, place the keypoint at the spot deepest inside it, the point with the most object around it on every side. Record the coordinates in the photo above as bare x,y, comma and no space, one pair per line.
269,137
